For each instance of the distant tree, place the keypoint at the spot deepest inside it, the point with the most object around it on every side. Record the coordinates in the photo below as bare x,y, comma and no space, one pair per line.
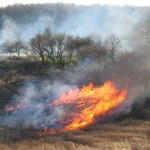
27,50
113,45
50,51
56,49
70,48
39,45
60,49
15,47
94,52
77,42
49,47
73,46
6,47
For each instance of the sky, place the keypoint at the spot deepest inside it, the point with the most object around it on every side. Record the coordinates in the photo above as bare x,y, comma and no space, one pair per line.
4,3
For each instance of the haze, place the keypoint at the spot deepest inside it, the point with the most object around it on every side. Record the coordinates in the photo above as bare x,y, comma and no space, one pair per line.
83,2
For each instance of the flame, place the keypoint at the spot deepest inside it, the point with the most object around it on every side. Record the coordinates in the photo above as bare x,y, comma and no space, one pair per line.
85,105
11,108
88,103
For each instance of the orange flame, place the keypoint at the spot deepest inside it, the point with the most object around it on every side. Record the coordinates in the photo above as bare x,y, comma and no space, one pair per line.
11,108
88,103
85,105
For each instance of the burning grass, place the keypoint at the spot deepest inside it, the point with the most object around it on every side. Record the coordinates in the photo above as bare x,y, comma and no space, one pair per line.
128,135
78,107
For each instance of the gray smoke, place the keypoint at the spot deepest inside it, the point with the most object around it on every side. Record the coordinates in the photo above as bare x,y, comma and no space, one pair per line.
35,96
12,31
133,67
9,30
88,20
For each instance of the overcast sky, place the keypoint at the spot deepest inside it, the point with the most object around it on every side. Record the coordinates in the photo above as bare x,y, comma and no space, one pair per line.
85,2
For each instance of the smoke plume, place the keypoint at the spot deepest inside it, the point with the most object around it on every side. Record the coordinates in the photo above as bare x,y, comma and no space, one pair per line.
132,68
78,21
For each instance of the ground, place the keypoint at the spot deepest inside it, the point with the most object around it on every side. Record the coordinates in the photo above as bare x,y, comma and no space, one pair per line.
129,134
126,134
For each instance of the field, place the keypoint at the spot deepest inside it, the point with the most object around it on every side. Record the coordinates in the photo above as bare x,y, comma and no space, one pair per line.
129,134
126,134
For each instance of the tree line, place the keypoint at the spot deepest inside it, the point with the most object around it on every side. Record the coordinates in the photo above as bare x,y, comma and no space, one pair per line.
61,49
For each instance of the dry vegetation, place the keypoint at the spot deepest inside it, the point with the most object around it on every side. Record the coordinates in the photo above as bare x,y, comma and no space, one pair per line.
126,135
53,53
14,72
129,134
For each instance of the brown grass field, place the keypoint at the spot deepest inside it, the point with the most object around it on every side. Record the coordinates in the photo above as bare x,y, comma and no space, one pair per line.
129,134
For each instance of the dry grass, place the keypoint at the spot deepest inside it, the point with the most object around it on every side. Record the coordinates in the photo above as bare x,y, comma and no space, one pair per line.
126,135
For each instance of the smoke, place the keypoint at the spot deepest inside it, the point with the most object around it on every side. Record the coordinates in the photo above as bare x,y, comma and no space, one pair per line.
29,30
81,20
122,21
132,68
35,96
11,30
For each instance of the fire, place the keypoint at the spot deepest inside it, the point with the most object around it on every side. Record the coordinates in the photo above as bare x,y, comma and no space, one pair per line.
87,103
11,108
83,106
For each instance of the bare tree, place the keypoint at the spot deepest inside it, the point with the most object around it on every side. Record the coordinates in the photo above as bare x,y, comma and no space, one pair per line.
60,49
113,45
39,45
77,42
27,50
50,51
55,49
94,52
49,47
70,49
15,47
73,46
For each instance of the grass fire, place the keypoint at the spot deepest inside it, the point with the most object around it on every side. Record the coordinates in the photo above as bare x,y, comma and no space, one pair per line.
88,103
74,77
85,104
